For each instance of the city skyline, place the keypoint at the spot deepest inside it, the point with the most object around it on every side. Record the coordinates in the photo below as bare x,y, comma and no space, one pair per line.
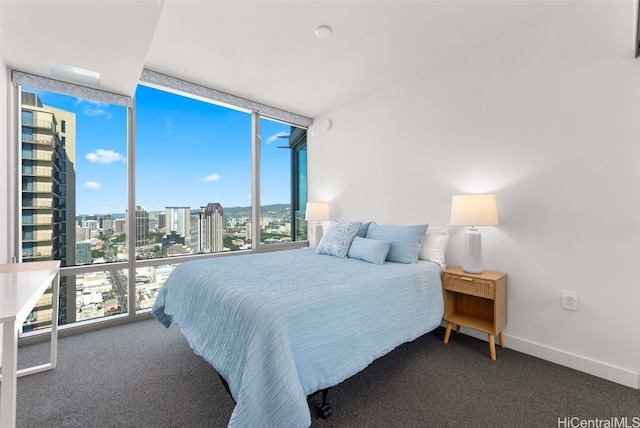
234,209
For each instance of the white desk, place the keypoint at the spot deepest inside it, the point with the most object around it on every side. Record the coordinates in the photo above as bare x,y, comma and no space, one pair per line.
21,286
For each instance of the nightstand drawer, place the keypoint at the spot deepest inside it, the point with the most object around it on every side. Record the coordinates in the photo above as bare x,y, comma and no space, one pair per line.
468,285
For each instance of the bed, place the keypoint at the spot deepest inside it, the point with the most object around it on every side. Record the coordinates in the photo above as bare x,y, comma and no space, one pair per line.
280,326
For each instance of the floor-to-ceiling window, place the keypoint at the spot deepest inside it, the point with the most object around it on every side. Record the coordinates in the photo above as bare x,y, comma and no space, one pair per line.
73,186
282,148
122,193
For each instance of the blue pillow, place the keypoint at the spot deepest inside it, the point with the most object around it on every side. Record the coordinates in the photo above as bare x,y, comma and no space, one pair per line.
362,231
369,250
405,240
337,239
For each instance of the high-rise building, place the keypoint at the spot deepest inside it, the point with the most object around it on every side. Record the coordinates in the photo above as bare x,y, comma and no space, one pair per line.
213,228
178,219
142,227
83,234
92,225
83,253
248,231
196,230
120,225
48,198
162,222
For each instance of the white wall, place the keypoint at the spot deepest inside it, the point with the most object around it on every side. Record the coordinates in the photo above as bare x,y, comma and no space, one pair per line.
548,119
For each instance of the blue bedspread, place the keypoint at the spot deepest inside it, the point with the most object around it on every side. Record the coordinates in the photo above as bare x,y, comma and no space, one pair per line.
279,326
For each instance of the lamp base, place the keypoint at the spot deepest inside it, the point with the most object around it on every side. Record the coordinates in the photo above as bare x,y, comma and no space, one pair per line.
317,233
473,251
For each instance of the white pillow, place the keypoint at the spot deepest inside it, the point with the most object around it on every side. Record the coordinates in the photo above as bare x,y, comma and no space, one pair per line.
435,244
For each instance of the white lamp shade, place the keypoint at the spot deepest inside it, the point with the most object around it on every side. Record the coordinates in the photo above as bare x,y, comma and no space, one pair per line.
474,210
317,211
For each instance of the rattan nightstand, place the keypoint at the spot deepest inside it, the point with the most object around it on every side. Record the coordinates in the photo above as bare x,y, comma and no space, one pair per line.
477,301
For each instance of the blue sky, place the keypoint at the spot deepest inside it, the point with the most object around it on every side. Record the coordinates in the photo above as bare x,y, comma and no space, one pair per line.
188,153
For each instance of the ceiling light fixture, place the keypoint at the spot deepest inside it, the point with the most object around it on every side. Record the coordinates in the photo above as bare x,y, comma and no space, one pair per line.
323,31
74,74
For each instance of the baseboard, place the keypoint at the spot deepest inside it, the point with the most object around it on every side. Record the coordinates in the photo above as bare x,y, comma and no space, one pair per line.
577,362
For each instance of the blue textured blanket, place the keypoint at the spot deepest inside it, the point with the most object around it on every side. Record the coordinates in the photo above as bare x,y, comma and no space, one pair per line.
279,326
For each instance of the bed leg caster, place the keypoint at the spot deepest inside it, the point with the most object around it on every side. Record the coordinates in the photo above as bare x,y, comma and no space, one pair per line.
325,410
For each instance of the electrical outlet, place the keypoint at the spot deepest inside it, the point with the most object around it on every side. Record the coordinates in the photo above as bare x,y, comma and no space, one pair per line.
569,300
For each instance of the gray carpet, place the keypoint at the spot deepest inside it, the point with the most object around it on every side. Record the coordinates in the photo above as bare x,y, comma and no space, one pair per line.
143,375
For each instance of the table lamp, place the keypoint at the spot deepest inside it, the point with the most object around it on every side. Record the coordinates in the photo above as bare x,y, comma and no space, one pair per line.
472,211
318,211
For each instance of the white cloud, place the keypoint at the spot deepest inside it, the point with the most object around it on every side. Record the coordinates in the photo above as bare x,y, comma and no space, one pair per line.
92,102
276,136
211,178
105,156
92,185
94,108
92,111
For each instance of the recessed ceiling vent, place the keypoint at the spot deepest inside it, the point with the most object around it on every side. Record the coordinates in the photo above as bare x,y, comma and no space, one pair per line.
73,74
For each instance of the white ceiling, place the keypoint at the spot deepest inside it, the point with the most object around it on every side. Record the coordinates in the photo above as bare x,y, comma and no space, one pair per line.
264,50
